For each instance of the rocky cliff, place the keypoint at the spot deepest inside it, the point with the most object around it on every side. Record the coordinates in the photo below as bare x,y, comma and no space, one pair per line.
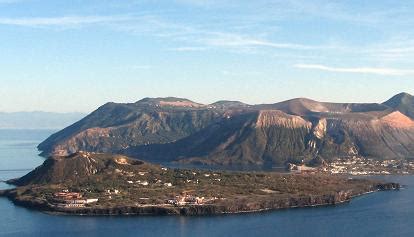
234,133
226,207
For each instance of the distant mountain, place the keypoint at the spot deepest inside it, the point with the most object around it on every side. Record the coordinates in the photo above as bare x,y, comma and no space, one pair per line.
402,102
37,120
234,133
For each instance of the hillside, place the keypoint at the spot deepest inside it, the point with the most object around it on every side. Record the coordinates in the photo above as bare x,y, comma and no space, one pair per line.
402,102
81,166
234,133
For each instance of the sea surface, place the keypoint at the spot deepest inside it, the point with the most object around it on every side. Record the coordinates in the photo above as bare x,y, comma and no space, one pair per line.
378,214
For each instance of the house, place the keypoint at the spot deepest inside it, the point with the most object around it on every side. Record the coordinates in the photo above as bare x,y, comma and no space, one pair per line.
183,200
172,201
145,183
76,201
92,200
71,205
199,200
67,195
115,191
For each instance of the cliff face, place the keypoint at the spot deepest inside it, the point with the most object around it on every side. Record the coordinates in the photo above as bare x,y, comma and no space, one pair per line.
226,207
233,133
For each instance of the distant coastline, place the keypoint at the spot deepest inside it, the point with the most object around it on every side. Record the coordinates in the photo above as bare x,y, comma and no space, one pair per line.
37,120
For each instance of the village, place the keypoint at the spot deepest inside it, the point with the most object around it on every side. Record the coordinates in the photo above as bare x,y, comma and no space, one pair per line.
66,199
357,166
186,199
132,187
138,184
133,183
367,166
75,200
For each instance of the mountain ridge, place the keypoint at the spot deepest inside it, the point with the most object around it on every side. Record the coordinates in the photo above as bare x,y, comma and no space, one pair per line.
232,133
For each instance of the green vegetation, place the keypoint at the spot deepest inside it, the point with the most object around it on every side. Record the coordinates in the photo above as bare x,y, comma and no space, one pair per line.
119,182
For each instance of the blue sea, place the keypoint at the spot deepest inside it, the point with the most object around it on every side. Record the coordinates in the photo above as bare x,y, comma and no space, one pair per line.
378,214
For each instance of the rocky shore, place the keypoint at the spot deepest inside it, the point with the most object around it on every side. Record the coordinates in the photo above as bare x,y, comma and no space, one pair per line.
224,207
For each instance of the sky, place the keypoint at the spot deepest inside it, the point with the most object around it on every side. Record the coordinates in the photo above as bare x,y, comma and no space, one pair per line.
75,55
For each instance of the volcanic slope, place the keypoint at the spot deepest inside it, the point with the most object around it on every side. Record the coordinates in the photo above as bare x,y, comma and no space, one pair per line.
234,133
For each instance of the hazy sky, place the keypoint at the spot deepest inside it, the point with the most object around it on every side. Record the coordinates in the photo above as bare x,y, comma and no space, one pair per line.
75,55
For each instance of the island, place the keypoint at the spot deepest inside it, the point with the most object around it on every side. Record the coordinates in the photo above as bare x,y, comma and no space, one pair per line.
87,183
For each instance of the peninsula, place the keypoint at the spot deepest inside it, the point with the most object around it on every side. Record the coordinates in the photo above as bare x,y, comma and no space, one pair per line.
87,183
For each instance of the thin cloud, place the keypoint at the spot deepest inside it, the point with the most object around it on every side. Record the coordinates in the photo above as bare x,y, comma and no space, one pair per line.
62,21
188,49
235,40
203,38
405,52
364,70
158,27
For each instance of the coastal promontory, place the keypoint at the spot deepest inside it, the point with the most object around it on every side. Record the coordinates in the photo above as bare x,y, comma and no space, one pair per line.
87,183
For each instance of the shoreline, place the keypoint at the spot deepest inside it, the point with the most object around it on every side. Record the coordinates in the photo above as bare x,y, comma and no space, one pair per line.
110,185
338,198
